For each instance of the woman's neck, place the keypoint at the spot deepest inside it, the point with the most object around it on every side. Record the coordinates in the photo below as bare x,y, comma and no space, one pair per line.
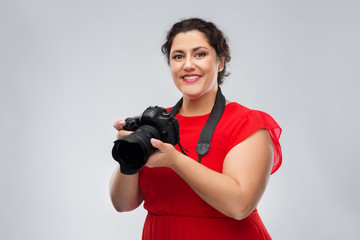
199,106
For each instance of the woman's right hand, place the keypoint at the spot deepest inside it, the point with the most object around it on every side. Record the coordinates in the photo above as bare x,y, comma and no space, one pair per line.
118,125
124,189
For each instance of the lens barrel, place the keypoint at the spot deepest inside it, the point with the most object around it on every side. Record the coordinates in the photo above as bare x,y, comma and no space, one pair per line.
133,151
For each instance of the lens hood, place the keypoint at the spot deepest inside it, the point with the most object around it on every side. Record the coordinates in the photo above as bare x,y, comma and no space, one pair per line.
132,151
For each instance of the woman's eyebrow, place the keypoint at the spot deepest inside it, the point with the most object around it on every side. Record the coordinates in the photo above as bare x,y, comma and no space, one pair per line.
194,50
177,51
197,48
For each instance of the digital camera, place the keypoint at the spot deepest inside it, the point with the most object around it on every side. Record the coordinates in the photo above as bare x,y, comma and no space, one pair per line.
133,151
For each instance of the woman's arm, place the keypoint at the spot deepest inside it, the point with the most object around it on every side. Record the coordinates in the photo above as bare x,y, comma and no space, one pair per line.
235,192
124,189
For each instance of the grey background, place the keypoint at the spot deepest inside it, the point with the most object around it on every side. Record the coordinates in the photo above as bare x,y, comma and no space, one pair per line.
69,69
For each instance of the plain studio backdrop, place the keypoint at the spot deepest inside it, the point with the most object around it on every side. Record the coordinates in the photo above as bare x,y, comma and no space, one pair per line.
69,69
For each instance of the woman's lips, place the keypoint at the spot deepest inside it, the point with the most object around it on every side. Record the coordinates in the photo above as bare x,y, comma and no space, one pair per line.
190,78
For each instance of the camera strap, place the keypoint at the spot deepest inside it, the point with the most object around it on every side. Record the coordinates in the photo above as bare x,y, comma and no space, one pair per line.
203,144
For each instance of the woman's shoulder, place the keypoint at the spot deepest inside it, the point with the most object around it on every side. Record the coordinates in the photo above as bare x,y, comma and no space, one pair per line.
234,108
236,111
237,106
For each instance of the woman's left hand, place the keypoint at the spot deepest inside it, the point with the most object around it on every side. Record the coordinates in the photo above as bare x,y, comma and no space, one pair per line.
164,156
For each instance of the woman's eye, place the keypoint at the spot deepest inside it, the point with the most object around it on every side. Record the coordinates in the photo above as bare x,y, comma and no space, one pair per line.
202,54
176,57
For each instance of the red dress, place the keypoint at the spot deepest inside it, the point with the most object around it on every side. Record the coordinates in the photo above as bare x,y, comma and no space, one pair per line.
175,211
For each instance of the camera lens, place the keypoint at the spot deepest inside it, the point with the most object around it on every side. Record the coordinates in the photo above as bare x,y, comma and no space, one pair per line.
132,151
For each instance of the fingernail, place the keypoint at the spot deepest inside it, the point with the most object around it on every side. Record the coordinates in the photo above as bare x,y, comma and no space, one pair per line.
153,140
122,122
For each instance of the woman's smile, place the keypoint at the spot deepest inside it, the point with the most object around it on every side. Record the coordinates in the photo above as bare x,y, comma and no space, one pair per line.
190,78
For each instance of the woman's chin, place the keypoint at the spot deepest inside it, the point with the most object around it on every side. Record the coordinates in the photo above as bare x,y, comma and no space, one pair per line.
191,92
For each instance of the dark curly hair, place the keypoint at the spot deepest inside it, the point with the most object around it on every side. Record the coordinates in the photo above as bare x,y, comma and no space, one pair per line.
214,36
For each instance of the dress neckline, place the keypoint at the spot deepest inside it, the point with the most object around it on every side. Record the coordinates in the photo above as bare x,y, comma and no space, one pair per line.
200,116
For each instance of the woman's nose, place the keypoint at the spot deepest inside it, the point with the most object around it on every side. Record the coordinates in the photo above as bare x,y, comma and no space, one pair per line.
189,64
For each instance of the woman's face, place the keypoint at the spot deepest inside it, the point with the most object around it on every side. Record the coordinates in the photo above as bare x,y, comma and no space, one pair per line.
194,64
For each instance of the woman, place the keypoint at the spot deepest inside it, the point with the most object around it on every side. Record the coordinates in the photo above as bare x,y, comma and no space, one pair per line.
216,198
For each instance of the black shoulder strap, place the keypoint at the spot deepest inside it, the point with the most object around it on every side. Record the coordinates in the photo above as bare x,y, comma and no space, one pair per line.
177,107
203,144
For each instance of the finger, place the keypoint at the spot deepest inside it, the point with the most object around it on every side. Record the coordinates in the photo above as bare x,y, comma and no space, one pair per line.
118,125
122,133
156,143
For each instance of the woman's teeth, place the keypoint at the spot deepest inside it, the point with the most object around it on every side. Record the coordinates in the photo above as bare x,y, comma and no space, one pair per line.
191,77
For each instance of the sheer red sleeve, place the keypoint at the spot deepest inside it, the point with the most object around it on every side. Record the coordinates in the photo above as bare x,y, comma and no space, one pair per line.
252,121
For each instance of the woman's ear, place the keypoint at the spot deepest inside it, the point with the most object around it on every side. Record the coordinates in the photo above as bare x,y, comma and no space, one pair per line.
221,63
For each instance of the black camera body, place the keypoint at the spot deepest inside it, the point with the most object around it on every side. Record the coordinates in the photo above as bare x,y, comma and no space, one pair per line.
132,151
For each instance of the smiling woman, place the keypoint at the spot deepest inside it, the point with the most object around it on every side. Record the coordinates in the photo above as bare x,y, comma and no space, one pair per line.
215,198
194,66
